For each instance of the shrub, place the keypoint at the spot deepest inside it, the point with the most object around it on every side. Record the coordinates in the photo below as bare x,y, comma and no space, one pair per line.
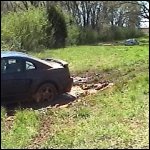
88,36
118,33
37,28
105,34
73,30
133,33
24,30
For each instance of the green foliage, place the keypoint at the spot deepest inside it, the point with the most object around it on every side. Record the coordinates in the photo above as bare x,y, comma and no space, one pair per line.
73,30
132,33
88,36
118,33
56,18
23,30
107,33
73,35
38,28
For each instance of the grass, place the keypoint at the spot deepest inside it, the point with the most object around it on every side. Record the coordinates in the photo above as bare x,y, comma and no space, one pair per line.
114,118
99,58
25,126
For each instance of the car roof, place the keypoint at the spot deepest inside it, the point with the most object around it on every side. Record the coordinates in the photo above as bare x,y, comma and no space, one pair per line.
13,53
5,54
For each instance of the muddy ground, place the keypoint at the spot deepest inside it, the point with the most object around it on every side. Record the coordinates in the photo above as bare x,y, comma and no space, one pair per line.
82,86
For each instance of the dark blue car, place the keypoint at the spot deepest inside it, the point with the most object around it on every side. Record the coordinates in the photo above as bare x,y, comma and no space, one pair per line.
24,77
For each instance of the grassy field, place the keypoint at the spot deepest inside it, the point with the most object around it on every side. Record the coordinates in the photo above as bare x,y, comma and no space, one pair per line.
114,118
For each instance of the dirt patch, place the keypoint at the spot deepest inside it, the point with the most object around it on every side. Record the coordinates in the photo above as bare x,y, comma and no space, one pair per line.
87,85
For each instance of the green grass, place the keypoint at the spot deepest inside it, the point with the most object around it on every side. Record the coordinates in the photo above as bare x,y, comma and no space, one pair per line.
114,118
99,58
25,126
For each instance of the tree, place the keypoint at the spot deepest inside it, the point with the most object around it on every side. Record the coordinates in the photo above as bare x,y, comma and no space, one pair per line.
59,29
144,9
96,14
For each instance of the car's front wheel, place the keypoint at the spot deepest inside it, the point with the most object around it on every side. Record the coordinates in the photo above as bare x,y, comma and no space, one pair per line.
45,92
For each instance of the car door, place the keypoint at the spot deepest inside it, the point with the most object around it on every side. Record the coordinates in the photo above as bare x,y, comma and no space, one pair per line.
14,81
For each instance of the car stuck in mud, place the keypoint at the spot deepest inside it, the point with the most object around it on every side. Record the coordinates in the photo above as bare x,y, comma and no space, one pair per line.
25,77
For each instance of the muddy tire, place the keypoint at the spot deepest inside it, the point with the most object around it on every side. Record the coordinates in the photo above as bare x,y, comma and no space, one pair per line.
45,92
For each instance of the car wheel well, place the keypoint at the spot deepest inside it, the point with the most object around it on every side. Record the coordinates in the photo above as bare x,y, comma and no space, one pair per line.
51,82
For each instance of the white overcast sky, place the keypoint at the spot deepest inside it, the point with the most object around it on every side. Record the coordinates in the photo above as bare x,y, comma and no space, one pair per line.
145,24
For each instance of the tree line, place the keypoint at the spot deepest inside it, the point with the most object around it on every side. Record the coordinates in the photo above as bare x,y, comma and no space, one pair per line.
81,19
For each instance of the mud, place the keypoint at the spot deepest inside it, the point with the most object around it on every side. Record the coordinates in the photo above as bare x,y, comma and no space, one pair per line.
82,86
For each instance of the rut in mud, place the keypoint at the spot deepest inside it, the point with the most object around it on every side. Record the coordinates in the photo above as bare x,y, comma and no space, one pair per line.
83,86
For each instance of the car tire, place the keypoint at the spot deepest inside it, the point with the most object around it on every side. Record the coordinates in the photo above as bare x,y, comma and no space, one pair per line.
46,92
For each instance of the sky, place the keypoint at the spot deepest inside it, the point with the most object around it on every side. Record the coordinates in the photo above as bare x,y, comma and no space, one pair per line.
145,24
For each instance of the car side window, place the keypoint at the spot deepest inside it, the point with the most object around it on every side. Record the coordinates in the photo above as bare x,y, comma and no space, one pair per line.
11,65
30,66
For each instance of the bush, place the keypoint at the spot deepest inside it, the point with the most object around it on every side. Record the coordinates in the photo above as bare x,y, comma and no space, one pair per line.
88,36
118,33
132,33
105,34
37,28
73,30
24,30
73,35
